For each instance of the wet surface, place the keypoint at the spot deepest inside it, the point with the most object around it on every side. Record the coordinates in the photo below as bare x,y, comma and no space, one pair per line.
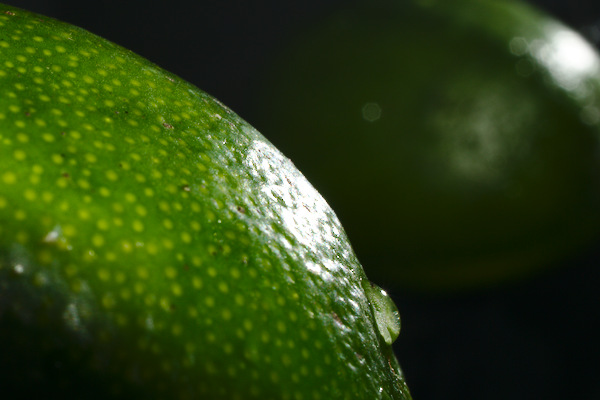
536,339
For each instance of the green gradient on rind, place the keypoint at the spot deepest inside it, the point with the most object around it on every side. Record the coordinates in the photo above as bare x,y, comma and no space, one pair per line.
154,245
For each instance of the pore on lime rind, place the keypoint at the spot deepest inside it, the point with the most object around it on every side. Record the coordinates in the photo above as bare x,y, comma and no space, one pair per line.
457,141
154,245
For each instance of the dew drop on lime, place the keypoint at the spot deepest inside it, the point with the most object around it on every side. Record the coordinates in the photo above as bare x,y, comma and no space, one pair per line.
58,238
385,311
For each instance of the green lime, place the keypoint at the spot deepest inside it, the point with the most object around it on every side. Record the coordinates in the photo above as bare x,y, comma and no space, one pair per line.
154,245
456,140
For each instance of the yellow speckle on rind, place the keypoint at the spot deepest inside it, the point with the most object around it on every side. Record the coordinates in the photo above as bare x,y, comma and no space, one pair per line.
137,225
196,281
186,237
176,289
111,175
170,272
57,158
30,195
104,274
140,207
9,177
98,240
223,287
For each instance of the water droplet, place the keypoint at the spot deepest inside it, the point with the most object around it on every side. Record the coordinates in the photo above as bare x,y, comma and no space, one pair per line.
149,323
71,317
385,311
19,269
518,46
590,115
57,237
371,112
53,235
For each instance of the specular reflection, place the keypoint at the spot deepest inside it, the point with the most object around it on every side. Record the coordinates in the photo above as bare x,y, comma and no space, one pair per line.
570,59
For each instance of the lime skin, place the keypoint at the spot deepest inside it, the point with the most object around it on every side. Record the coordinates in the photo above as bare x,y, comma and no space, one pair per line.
154,245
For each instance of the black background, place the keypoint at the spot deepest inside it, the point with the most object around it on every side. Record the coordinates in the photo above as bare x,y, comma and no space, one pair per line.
536,339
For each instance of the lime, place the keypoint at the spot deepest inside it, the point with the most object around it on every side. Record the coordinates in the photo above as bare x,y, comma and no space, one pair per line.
456,140
154,245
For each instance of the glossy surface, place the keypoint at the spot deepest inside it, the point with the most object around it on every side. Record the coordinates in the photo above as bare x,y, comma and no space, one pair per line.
456,140
154,245
386,313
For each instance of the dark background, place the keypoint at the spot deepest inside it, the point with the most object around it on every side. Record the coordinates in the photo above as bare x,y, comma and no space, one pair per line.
536,339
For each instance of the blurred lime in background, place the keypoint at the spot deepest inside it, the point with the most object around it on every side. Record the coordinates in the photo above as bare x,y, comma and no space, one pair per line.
456,140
